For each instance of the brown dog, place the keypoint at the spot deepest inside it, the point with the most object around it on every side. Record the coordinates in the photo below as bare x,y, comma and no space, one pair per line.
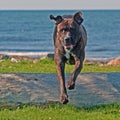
70,39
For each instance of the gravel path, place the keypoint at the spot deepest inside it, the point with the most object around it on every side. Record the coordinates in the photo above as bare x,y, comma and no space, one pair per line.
91,88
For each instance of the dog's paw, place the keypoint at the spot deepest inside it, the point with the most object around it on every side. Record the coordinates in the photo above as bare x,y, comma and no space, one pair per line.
70,85
64,99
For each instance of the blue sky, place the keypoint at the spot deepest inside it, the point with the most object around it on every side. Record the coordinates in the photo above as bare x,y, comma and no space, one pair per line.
59,4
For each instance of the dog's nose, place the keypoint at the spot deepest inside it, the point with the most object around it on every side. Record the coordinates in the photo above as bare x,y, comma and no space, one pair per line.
67,40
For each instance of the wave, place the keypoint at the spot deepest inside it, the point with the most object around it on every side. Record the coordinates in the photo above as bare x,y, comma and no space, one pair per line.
29,54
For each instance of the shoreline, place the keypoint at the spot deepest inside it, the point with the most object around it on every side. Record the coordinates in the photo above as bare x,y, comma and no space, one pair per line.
42,55
45,54
27,54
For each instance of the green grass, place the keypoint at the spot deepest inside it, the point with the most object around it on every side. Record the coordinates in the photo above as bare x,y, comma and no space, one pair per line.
62,112
48,66
56,111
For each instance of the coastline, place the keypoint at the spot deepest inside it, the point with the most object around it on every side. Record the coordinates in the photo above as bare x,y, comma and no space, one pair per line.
27,54
45,54
16,56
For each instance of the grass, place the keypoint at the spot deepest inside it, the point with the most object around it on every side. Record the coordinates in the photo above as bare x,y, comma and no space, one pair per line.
56,111
62,112
48,66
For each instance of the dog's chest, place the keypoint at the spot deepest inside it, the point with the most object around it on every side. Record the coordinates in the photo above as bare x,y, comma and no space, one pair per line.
67,54
70,57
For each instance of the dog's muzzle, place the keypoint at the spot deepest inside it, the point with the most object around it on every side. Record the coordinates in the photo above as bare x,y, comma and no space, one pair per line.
68,43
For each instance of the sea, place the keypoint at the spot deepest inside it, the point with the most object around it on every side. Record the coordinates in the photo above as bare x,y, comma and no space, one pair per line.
30,32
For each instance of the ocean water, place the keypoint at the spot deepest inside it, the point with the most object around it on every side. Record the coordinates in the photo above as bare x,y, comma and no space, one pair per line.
31,32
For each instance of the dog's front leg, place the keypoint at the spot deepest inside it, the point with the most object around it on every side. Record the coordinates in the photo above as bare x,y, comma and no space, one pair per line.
60,65
77,69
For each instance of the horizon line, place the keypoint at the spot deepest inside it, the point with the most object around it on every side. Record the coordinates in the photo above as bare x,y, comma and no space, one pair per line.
55,9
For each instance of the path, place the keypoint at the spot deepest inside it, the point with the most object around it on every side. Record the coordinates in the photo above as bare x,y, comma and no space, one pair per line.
91,88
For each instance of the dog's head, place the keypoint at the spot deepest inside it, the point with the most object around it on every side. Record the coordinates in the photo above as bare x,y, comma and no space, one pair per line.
68,29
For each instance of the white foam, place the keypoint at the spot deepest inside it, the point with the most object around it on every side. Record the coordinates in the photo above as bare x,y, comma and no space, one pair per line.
30,54
99,59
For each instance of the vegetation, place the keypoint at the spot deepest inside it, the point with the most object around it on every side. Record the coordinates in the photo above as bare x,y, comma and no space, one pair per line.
62,112
48,66
56,111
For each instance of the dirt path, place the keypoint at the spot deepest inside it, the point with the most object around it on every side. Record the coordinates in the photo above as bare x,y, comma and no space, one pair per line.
91,88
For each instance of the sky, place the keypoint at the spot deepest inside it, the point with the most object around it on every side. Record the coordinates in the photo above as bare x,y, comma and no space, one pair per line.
59,4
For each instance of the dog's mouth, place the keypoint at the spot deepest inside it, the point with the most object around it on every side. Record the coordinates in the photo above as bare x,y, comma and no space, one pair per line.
69,47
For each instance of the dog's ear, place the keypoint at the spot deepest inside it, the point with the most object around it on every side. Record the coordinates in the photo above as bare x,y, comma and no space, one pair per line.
57,19
78,17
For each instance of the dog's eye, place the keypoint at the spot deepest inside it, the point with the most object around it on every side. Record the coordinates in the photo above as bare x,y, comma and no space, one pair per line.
72,29
64,30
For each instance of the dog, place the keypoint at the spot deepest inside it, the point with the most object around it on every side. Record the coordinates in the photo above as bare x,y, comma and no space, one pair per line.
70,39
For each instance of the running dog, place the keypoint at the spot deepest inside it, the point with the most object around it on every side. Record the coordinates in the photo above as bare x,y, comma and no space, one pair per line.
70,39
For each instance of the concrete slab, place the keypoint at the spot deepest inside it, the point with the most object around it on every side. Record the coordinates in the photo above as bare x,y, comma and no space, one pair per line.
91,88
